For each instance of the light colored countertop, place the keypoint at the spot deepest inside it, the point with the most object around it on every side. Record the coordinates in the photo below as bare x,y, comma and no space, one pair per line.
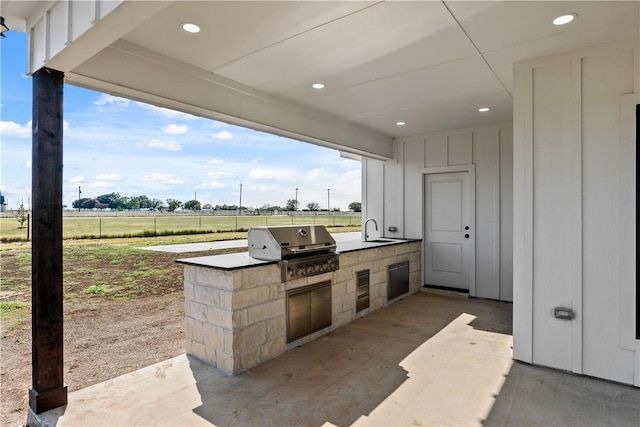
239,260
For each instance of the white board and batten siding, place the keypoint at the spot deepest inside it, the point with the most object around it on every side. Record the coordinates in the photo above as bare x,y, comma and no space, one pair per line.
574,211
489,150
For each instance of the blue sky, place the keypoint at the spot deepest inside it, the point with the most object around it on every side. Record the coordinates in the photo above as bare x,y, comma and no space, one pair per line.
113,144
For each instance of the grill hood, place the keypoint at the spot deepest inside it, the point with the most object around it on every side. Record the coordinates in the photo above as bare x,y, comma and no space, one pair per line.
277,243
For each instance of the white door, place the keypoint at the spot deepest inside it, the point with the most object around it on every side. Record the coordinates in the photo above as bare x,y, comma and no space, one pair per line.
447,231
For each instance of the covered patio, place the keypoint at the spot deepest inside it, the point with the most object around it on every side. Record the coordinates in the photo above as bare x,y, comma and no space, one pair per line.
430,359
549,178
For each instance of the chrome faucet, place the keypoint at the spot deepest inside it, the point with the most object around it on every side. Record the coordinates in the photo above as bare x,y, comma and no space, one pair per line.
366,235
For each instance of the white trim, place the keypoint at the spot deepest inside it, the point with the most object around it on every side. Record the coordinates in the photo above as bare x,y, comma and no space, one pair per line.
627,43
575,205
471,169
627,219
523,215
458,131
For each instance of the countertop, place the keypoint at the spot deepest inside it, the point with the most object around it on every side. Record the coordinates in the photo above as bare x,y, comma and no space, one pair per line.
240,260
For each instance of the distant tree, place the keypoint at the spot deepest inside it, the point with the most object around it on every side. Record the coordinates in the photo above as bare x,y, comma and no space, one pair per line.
88,204
292,205
192,205
21,215
355,206
78,203
313,206
173,204
113,200
207,207
157,204
99,205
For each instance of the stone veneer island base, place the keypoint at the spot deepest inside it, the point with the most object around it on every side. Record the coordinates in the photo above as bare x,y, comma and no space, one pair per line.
235,306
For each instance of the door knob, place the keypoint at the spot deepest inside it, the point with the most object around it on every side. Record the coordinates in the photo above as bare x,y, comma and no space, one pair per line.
466,236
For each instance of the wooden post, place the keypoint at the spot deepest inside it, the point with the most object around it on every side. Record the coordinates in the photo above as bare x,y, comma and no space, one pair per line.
48,389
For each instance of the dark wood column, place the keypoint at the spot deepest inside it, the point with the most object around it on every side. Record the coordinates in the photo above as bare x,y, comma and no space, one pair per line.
48,390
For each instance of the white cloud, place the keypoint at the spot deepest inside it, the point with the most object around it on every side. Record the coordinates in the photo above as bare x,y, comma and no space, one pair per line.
223,134
163,178
65,125
108,102
219,174
165,145
27,164
102,184
109,177
215,162
165,112
15,129
211,185
77,179
271,174
173,129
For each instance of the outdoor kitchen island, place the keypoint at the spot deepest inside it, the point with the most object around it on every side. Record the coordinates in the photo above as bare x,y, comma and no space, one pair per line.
241,311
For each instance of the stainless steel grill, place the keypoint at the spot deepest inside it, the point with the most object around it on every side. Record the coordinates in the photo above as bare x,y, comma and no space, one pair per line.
302,250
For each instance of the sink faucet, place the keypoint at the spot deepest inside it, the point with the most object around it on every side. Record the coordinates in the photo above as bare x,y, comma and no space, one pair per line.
366,235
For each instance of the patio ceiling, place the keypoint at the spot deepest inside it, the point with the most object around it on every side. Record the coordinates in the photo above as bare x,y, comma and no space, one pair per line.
430,64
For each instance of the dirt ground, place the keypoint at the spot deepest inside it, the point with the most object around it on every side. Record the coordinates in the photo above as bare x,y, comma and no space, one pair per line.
130,325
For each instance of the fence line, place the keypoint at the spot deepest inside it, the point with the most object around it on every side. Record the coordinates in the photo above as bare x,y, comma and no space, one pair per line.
113,226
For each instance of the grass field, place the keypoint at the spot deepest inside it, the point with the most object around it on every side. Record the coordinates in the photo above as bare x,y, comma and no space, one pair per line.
109,226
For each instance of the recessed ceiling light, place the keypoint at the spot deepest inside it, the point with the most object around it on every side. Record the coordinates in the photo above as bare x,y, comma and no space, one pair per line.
400,123
318,85
190,27
564,19
484,109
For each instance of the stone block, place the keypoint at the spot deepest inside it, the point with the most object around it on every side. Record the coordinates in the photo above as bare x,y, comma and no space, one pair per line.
348,301
214,278
251,337
266,311
369,255
414,261
252,296
259,276
277,328
276,291
377,304
336,304
214,338
225,363
239,318
196,311
339,288
189,274
272,349
189,289
379,277
402,249
227,341
220,317
347,259
207,295
204,353
343,274
249,359
341,319
297,283
193,329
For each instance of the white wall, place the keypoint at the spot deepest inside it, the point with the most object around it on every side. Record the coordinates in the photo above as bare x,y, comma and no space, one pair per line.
574,232
490,149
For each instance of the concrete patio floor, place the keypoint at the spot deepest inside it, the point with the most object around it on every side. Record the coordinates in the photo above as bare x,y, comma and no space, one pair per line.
430,359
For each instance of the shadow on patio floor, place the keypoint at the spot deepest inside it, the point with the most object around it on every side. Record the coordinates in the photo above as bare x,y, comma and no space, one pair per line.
425,360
